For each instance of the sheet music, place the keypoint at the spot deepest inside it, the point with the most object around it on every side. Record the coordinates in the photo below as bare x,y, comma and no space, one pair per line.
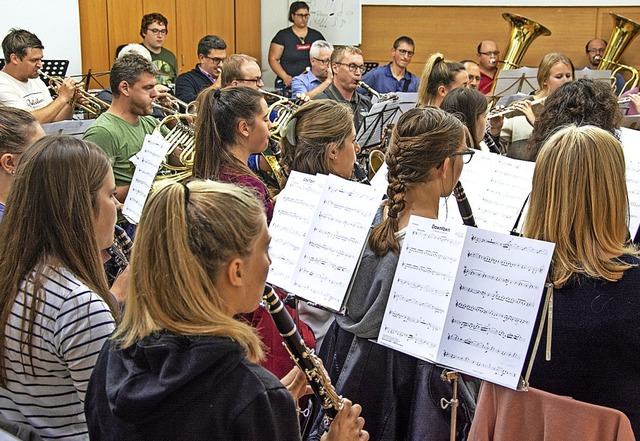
496,187
631,144
512,81
380,114
380,180
334,240
292,216
148,160
466,298
73,127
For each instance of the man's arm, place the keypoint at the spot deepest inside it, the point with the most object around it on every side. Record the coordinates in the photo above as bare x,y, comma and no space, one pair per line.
319,88
57,110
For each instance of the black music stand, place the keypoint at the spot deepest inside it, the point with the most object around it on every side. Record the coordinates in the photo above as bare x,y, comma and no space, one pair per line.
368,65
54,68
513,81
381,114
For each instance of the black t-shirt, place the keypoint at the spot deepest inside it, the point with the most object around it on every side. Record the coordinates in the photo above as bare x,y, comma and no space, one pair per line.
295,57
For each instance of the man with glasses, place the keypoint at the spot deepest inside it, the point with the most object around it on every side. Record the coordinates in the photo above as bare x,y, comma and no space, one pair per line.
488,56
212,53
315,80
241,70
153,31
347,65
394,77
595,50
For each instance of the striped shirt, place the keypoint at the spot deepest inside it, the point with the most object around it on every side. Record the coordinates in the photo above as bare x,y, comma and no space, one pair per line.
69,330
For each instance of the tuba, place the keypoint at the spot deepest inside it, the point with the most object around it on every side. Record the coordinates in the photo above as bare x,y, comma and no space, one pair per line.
624,31
523,32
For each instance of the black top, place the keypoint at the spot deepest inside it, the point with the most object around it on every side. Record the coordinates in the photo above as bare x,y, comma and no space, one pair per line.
595,352
170,387
190,84
360,104
295,56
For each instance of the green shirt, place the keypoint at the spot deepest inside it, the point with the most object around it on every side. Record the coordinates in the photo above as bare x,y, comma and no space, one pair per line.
167,66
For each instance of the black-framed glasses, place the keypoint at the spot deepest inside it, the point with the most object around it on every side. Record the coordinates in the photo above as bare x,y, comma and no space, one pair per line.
323,62
303,15
404,52
491,53
258,80
157,31
216,60
595,51
354,67
467,154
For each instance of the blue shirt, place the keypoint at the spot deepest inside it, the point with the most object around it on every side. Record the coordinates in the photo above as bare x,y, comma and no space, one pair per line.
1,210
382,80
304,83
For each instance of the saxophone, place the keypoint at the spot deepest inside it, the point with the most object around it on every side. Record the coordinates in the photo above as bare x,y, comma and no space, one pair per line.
303,357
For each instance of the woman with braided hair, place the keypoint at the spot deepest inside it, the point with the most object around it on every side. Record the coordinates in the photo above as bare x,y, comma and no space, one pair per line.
400,394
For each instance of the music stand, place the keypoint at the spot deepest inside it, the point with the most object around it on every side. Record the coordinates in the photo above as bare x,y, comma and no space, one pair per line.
380,114
600,75
513,81
368,65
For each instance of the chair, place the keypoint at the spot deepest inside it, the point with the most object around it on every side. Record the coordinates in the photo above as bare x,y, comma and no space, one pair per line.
535,415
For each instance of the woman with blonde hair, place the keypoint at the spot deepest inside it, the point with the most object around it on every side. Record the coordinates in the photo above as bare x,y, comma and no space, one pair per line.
320,138
402,394
438,78
181,365
56,309
18,130
585,212
554,70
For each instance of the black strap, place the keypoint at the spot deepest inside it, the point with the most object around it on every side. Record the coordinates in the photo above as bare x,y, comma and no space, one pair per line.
405,88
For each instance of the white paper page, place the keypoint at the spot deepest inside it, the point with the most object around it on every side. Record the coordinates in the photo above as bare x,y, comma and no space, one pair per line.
422,286
498,289
334,242
292,217
380,179
631,144
496,187
148,160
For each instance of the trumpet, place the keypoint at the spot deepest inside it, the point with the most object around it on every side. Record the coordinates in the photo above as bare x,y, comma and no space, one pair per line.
511,110
94,106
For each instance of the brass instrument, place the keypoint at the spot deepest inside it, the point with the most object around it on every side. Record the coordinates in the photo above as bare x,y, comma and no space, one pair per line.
624,31
523,32
381,97
376,159
94,106
182,140
283,108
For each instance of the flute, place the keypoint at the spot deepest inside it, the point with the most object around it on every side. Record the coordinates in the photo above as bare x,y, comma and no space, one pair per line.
302,356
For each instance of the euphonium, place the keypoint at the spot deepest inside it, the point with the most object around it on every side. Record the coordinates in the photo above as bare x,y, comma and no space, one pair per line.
523,32
94,106
623,32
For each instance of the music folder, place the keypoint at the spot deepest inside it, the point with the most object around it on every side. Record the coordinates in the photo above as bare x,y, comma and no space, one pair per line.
467,299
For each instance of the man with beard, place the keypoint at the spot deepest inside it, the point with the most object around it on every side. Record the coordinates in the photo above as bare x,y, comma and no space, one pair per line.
394,77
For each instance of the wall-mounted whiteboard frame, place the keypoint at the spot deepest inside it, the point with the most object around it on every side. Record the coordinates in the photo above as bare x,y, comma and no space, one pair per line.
55,22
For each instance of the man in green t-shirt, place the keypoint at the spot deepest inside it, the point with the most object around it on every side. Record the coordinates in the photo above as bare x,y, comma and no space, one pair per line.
153,31
120,131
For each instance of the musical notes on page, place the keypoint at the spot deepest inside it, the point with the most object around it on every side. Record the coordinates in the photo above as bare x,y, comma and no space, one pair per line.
467,298
631,144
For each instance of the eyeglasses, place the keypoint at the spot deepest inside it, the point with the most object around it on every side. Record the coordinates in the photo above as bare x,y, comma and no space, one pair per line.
323,62
217,60
405,52
490,54
303,15
596,51
258,80
354,67
157,31
468,151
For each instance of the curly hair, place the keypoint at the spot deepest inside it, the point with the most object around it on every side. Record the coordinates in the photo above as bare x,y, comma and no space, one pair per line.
582,102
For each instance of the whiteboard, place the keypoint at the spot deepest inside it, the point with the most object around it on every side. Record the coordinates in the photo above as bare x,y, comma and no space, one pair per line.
556,3
340,21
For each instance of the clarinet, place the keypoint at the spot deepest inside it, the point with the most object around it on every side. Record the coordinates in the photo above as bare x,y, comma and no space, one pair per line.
360,174
463,206
303,357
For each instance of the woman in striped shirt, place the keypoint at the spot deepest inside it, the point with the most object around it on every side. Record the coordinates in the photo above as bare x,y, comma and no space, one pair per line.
55,307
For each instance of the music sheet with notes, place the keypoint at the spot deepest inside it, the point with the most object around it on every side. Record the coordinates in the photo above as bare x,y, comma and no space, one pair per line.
466,298
631,144
318,232
496,187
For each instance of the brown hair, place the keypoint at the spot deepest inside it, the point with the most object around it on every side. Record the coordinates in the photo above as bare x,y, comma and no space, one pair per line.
421,140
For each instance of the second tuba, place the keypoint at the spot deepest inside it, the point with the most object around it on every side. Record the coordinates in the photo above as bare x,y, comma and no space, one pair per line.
624,31
523,32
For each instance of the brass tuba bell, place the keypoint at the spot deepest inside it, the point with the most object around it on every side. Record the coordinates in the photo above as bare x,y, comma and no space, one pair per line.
624,31
523,32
